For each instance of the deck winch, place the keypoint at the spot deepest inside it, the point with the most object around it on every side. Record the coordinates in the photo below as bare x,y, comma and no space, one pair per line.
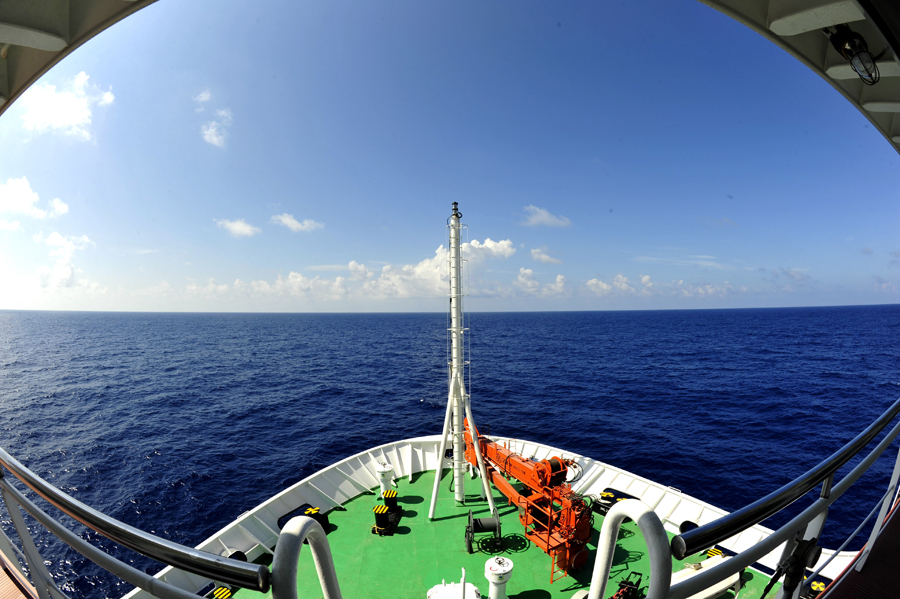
556,518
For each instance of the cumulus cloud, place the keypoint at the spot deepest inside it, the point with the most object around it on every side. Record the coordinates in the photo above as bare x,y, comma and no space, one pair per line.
475,252
63,248
540,255
622,286
208,290
527,283
67,110
238,228
17,197
599,287
215,131
298,286
558,287
621,283
425,279
294,225
358,272
535,217
6,225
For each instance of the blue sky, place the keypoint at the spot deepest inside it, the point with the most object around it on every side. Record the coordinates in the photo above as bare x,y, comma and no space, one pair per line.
303,157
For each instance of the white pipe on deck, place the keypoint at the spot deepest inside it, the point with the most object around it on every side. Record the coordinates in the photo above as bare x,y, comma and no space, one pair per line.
287,552
657,546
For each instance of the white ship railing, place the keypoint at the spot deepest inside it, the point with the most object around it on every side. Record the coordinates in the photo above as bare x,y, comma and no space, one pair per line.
201,563
256,532
806,526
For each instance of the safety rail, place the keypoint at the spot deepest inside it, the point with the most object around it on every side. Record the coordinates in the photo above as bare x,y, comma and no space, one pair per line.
798,537
287,552
700,538
213,567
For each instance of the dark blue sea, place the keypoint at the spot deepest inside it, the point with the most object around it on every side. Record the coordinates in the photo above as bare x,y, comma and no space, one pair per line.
178,423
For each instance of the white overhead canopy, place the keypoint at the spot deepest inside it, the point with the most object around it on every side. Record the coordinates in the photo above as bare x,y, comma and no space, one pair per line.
36,34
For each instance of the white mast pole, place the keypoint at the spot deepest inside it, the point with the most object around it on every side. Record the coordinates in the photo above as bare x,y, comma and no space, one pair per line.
453,420
458,407
457,389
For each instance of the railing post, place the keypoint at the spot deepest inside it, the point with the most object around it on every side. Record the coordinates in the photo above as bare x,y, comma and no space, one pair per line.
287,552
813,531
7,549
885,506
40,576
657,546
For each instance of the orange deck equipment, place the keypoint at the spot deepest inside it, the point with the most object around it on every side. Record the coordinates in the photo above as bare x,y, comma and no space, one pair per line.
555,517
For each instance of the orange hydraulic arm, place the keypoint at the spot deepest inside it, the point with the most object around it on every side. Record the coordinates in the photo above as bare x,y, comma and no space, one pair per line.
556,519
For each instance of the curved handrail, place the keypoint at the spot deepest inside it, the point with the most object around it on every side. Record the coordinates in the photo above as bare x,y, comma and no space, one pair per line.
731,524
657,545
746,558
287,552
208,565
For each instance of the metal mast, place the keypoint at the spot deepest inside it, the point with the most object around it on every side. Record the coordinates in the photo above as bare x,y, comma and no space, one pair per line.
458,407
457,385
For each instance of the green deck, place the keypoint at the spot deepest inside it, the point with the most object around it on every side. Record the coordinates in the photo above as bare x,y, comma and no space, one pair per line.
423,552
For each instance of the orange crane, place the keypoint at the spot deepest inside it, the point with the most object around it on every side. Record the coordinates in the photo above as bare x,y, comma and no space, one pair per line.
555,517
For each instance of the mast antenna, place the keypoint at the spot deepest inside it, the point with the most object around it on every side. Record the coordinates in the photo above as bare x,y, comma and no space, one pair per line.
458,408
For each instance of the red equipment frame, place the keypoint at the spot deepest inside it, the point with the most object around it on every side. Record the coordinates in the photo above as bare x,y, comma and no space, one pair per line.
555,517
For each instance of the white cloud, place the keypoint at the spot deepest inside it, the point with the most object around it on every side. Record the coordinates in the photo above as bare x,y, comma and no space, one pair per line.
294,225
225,117
795,274
58,207
540,216
299,286
475,252
238,228
706,289
527,283
17,197
161,290
201,99
698,261
358,272
428,278
210,289
63,271
6,225
621,283
215,131
67,111
558,287
884,285
540,255
645,281
599,287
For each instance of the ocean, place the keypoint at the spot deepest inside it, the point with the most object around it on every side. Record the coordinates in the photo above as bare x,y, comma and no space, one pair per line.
178,423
